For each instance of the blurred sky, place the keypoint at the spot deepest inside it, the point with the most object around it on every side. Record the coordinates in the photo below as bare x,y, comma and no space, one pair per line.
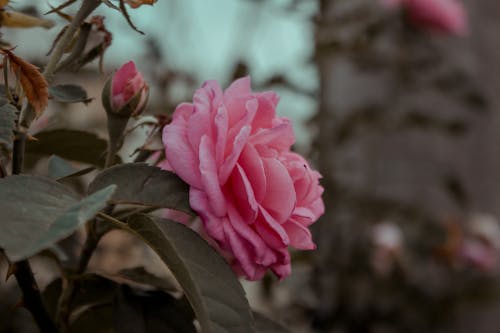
206,39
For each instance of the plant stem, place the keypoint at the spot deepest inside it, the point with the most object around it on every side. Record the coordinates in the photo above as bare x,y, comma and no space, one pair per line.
68,293
88,6
18,152
32,300
85,10
94,235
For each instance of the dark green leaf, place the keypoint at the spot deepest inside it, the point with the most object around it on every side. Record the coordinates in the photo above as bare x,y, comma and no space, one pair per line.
69,144
210,285
8,117
141,276
69,93
97,319
139,183
38,211
61,169
93,289
265,325
150,312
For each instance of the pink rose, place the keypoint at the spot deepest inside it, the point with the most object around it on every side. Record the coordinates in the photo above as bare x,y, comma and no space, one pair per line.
128,88
254,196
445,16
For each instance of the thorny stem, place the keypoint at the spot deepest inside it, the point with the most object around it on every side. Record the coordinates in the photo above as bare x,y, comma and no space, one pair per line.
32,300
68,293
64,305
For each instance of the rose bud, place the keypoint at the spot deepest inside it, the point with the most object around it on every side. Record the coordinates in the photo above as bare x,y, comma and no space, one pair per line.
125,93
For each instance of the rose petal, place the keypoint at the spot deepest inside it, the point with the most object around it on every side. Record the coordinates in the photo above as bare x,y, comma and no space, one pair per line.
240,87
282,268
213,225
244,198
246,232
122,75
229,163
271,231
240,251
252,165
209,178
178,151
300,236
221,127
209,96
266,112
280,193
280,136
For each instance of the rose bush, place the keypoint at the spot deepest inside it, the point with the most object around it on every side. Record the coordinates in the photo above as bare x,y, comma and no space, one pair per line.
446,16
254,196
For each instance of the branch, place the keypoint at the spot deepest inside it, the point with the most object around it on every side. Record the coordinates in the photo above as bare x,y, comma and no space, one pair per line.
94,235
88,6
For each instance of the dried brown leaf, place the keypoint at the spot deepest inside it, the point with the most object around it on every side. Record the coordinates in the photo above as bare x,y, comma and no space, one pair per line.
34,85
14,19
138,3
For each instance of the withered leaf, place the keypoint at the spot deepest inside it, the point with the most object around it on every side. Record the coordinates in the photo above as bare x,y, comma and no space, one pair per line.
32,81
123,9
14,19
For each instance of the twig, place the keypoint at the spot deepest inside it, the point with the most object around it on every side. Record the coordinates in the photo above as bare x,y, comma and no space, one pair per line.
65,300
32,299
88,6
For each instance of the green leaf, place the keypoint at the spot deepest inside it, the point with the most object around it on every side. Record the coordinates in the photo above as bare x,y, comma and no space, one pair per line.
150,312
265,325
38,211
139,275
127,310
61,169
69,93
8,117
92,289
209,283
69,144
97,319
139,183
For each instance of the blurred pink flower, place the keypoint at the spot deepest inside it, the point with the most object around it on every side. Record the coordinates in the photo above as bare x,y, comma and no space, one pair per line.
254,196
128,86
445,16
479,255
387,240
481,249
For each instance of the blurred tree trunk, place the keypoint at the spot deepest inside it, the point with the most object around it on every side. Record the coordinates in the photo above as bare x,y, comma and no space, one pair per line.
408,131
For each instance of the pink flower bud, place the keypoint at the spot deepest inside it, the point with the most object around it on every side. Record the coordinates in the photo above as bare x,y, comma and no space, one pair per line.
129,91
444,16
